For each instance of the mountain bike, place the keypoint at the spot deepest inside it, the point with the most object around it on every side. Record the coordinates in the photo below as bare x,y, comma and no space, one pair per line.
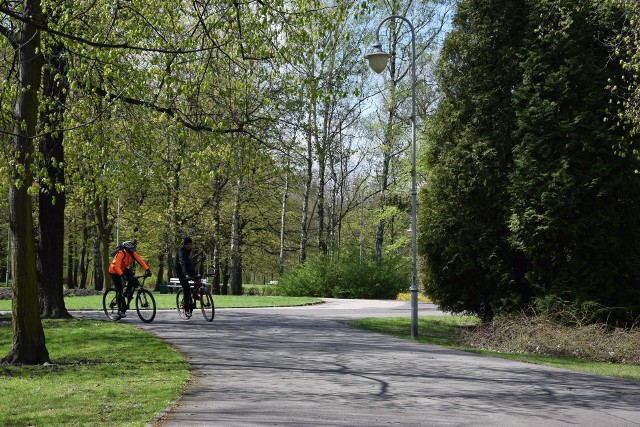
145,303
199,293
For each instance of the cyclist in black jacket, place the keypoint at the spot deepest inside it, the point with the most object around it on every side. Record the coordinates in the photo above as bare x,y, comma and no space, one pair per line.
185,271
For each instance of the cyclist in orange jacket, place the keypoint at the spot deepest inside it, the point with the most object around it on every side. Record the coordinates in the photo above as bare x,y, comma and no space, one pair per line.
119,268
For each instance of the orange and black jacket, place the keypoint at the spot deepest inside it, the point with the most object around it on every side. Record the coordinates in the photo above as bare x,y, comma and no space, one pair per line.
123,259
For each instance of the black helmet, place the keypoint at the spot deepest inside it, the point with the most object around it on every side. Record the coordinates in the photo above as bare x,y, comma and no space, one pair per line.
129,245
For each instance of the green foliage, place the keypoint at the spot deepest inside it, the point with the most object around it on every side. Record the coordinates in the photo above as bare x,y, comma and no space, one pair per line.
341,277
577,312
625,88
574,202
526,196
571,313
463,233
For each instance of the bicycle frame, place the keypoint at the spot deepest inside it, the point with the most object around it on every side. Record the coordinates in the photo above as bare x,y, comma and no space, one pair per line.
116,303
199,294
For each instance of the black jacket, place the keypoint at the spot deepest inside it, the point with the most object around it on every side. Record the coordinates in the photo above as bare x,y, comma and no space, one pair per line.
183,265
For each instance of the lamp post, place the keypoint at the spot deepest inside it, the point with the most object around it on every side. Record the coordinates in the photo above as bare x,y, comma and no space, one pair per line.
378,62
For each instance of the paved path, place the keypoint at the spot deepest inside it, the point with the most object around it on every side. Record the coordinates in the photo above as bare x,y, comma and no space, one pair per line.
306,367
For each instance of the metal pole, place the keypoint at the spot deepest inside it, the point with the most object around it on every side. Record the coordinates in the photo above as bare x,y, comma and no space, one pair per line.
414,286
361,223
118,219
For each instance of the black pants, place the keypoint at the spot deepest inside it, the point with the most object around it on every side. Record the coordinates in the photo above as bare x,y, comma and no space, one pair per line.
117,281
186,289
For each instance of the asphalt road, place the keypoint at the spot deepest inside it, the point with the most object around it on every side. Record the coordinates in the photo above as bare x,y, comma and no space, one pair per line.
306,367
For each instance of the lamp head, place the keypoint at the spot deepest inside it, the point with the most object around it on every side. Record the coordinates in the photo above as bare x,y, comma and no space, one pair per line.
377,58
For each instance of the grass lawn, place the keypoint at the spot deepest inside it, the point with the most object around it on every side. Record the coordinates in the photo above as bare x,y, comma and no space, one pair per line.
102,374
168,301
441,330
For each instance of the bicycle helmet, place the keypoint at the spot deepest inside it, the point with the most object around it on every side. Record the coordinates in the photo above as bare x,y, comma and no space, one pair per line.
129,246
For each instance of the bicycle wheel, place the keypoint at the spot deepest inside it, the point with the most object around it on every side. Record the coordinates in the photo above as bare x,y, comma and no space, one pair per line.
207,307
180,304
110,304
145,305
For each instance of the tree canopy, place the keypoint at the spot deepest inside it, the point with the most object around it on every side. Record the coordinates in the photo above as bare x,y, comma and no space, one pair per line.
527,197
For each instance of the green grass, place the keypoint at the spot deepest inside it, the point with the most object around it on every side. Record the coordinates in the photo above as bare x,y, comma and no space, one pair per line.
168,301
442,330
102,374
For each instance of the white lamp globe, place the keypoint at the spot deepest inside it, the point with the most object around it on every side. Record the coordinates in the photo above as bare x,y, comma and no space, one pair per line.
377,58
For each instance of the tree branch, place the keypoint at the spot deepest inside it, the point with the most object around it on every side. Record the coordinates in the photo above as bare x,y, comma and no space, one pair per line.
127,46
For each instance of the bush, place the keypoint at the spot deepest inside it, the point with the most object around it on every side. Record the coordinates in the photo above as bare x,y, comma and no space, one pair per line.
578,313
541,335
341,277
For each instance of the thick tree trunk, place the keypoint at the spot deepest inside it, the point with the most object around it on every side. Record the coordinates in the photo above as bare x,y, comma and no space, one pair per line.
28,335
52,200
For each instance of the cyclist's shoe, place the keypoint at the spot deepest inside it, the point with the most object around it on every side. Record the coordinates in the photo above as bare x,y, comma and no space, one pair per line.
122,314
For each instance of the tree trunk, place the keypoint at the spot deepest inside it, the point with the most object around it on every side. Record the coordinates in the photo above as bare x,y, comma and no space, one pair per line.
171,202
322,243
236,263
28,335
321,151
98,275
225,277
52,200
84,257
282,222
304,222
70,263
160,273
217,188
101,246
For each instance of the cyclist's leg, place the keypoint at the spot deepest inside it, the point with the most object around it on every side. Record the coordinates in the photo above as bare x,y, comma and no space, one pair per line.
188,304
117,282
131,282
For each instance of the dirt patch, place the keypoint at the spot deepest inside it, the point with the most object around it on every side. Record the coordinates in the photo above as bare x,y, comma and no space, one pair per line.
538,335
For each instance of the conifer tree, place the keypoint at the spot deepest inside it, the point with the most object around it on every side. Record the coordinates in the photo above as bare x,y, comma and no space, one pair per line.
464,207
574,201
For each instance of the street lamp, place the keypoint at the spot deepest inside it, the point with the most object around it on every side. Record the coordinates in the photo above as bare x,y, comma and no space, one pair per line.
378,62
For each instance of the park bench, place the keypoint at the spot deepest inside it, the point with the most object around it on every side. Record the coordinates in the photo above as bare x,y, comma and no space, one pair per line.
174,284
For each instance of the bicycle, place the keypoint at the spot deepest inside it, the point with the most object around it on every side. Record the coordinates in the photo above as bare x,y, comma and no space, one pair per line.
199,293
145,303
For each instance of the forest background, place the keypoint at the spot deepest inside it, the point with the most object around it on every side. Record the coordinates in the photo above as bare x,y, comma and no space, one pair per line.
257,129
